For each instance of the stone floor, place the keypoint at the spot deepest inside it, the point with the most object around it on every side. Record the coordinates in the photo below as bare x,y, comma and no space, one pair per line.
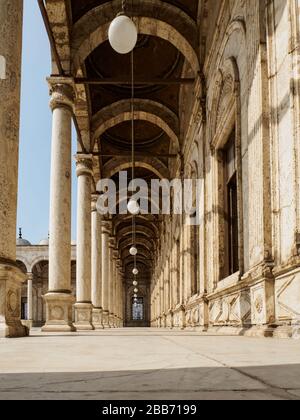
148,364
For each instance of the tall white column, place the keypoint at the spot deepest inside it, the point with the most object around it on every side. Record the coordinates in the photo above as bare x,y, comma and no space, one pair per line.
111,281
11,277
122,301
59,299
29,297
105,273
83,306
115,286
96,267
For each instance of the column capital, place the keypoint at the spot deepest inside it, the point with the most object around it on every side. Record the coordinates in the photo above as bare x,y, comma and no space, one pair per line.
116,254
112,242
29,276
106,227
62,92
94,200
84,164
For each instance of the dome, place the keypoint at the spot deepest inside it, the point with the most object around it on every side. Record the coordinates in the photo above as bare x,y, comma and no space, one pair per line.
73,243
21,241
44,242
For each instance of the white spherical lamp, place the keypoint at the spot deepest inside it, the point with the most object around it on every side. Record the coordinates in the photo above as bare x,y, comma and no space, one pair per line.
122,34
133,207
135,283
133,251
135,271
135,296
136,290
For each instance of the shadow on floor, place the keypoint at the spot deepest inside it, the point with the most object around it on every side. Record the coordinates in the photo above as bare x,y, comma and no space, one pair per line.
248,383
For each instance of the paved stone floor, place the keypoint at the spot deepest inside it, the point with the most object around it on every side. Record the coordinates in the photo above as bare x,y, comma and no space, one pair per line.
148,364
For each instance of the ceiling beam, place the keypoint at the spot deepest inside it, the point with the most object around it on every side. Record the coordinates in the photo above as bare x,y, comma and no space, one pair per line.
50,36
127,81
137,155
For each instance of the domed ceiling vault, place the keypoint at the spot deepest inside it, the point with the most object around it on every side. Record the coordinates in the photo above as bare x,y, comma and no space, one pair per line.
167,44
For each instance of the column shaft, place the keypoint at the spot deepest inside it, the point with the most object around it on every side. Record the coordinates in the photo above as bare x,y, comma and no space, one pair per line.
105,274
11,277
111,282
29,297
58,299
83,307
96,267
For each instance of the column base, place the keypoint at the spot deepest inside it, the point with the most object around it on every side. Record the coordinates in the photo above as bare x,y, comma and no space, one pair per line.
179,319
164,321
11,278
291,330
261,331
97,319
112,321
105,319
58,312
83,317
170,320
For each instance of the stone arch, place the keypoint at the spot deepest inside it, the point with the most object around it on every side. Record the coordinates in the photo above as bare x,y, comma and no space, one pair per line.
140,260
144,231
154,165
38,260
227,83
22,264
141,245
149,199
228,89
127,242
139,220
145,109
159,19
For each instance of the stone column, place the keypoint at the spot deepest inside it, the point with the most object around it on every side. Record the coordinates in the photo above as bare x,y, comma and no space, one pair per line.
83,306
118,295
29,297
122,299
11,277
111,282
115,282
96,267
59,299
105,273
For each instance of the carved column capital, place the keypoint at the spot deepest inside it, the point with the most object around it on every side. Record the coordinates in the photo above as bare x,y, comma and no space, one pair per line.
29,276
106,227
62,93
94,200
116,255
84,165
112,243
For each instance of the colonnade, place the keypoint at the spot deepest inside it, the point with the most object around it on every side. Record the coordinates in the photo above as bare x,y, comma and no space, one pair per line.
172,287
99,272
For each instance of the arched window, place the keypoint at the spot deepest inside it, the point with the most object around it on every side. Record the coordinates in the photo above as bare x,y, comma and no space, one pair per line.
195,251
231,207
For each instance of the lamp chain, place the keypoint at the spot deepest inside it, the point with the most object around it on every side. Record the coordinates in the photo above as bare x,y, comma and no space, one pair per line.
133,147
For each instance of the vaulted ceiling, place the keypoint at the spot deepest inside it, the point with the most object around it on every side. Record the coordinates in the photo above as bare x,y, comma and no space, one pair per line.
167,50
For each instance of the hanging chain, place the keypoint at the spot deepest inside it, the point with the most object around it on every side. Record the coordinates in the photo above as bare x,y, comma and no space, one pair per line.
133,147
123,6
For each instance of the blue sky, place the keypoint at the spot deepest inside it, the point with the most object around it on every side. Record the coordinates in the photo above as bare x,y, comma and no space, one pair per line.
35,131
